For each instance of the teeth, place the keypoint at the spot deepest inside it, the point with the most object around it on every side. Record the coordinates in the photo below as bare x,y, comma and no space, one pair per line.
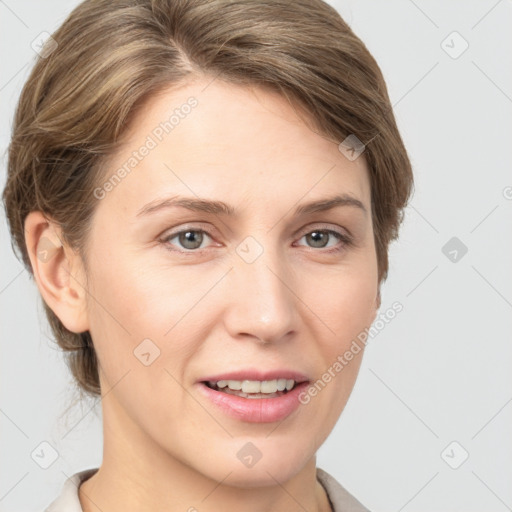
235,384
251,386
289,384
255,386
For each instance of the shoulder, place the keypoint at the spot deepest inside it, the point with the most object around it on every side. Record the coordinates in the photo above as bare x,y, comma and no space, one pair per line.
341,500
67,500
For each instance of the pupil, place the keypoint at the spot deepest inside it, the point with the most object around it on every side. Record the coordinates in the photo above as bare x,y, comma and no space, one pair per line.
188,236
318,234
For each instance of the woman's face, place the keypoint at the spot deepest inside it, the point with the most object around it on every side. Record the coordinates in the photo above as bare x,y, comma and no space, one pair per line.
266,291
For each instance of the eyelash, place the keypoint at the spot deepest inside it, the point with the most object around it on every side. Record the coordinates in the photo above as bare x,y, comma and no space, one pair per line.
347,241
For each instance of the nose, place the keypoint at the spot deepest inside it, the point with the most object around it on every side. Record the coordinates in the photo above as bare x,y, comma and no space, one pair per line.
262,304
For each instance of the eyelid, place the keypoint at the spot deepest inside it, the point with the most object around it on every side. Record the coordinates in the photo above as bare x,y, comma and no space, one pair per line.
173,231
345,239
325,227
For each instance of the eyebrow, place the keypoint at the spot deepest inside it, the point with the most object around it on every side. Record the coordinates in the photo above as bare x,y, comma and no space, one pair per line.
219,207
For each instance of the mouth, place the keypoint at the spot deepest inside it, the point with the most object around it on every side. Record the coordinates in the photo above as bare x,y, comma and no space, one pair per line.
254,389
254,401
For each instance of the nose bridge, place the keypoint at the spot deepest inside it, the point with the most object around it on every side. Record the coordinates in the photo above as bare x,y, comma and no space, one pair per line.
262,304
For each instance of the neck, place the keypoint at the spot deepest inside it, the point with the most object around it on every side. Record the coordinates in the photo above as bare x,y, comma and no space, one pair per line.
137,474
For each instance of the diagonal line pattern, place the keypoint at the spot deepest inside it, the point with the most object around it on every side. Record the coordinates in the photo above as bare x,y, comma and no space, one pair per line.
13,77
204,295
11,281
404,403
425,219
101,305
14,485
286,491
219,483
495,289
95,504
13,423
212,80
92,296
405,504
508,508
3,3
95,404
503,407
75,425
392,106
274,429
217,216
304,195
332,331
416,84
199,403
486,14
492,81
422,280
424,13
484,218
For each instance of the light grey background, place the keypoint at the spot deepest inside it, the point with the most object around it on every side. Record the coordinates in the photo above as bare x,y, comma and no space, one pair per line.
438,373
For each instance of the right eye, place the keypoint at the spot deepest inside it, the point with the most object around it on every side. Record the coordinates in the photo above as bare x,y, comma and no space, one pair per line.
189,239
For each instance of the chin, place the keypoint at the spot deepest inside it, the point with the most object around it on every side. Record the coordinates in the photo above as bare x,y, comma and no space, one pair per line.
257,476
248,467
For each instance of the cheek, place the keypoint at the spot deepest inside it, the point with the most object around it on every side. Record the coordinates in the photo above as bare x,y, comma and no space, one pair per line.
346,307
134,295
352,309
345,301
134,301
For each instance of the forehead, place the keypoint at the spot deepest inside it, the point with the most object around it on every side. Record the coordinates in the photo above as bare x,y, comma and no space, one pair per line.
214,139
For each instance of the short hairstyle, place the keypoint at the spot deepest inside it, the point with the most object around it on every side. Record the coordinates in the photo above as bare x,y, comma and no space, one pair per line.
109,57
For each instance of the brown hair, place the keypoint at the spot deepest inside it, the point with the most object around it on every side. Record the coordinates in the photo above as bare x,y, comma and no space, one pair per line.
109,56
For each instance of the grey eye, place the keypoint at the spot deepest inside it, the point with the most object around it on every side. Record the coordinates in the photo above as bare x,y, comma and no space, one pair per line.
189,239
318,238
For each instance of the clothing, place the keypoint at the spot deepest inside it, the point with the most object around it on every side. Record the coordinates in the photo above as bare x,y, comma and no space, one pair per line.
341,500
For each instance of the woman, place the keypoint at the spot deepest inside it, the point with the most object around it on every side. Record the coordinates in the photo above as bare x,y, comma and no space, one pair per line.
205,193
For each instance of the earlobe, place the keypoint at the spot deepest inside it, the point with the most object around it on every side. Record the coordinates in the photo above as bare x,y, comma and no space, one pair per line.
377,301
377,304
57,271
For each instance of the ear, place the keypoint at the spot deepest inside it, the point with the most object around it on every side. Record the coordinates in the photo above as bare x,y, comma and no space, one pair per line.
377,304
58,271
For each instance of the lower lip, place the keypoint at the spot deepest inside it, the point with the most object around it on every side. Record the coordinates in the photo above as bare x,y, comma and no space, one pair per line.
255,410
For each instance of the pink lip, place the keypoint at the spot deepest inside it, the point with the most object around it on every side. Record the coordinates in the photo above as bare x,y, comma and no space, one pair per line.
255,410
257,375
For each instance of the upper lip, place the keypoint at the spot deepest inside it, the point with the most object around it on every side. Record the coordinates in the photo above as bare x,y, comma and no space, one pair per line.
251,374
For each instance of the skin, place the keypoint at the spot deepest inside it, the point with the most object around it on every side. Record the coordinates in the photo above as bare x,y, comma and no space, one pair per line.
296,306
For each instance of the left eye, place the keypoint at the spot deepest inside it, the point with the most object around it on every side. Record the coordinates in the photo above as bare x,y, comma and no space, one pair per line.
190,238
319,237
